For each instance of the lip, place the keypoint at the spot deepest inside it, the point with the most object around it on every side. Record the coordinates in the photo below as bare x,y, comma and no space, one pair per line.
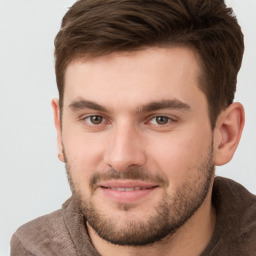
126,191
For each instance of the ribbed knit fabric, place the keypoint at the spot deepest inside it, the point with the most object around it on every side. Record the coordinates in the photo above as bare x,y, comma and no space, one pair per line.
235,231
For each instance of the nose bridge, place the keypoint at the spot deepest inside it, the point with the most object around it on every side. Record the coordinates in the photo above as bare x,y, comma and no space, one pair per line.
125,147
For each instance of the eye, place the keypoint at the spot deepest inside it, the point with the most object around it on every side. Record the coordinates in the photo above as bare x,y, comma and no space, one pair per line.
160,120
95,120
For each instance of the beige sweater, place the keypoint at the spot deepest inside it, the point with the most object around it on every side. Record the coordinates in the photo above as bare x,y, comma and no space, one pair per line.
63,232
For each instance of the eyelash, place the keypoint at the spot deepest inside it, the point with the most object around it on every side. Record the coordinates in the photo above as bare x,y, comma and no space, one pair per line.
90,120
104,121
167,119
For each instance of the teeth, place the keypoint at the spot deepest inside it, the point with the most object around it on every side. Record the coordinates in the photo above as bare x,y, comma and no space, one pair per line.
126,189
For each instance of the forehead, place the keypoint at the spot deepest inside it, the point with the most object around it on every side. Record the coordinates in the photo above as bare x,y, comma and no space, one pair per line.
135,77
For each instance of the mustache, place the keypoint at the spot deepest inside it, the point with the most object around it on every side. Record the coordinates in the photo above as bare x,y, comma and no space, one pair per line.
131,173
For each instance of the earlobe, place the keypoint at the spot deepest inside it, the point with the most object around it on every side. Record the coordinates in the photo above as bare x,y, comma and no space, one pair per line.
57,122
227,133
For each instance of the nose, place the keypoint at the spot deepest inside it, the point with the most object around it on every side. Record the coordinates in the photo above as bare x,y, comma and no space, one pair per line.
125,148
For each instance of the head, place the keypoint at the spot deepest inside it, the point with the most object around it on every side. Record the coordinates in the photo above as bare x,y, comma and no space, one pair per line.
145,110
96,28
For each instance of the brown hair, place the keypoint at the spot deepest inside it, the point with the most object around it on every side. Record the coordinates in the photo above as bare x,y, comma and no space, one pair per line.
98,27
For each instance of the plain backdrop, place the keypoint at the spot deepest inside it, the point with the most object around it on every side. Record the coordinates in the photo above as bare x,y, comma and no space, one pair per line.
32,180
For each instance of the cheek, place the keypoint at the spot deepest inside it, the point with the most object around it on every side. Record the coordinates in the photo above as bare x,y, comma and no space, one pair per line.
84,154
178,155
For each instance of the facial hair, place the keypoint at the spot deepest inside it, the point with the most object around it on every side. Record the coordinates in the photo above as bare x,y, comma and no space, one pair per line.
167,217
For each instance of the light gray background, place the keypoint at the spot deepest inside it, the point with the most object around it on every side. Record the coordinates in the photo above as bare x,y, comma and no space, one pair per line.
32,180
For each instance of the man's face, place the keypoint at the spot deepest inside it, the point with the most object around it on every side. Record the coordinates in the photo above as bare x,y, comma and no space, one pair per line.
137,142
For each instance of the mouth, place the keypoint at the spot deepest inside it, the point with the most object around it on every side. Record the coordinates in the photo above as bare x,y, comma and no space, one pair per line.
126,191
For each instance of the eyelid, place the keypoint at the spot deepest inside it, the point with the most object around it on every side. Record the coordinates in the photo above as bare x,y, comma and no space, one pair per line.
83,118
90,121
171,119
106,120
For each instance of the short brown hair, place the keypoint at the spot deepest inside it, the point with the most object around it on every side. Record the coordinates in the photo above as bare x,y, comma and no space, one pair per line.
99,27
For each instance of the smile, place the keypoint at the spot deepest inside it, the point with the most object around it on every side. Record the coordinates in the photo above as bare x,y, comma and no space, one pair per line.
127,191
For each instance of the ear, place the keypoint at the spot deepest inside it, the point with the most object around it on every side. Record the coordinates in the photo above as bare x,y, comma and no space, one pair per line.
57,122
227,133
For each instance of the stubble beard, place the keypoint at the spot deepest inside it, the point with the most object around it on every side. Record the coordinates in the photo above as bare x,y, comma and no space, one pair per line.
168,216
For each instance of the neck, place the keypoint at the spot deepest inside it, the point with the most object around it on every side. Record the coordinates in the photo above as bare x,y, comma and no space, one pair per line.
190,239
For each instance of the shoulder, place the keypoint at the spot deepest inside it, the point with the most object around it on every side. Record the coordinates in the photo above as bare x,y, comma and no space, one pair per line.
42,225
236,215
232,198
46,235
17,247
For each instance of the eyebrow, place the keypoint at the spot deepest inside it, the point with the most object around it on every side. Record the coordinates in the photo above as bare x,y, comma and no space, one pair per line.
164,104
81,104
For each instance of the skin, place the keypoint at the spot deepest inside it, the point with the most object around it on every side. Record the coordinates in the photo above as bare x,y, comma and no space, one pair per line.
127,132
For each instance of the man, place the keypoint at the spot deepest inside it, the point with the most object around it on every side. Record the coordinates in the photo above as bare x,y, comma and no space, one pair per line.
145,113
